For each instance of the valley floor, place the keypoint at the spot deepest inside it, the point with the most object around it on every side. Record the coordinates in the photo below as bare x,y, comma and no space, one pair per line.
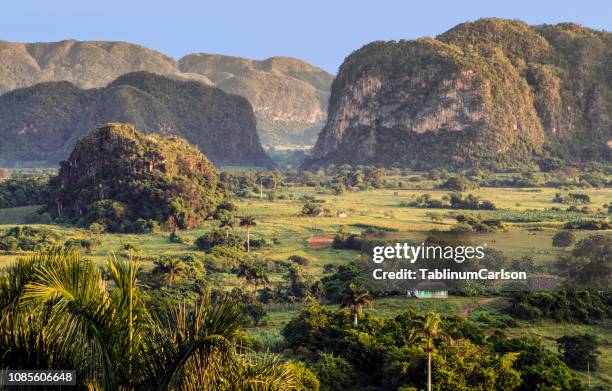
378,209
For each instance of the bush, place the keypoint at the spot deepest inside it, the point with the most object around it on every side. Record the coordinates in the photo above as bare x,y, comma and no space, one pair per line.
458,184
563,239
86,245
300,260
311,209
97,228
334,373
571,305
306,380
27,238
572,198
176,238
466,223
593,225
580,351
216,238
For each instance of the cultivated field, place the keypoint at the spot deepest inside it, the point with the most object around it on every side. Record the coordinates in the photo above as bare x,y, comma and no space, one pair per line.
380,209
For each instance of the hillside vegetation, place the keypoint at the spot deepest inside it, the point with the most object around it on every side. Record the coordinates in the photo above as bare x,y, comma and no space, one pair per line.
125,181
288,96
493,92
41,124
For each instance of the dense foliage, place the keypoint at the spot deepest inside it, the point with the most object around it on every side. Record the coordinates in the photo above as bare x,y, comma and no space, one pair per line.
26,238
130,182
57,312
23,190
488,93
41,124
563,305
392,354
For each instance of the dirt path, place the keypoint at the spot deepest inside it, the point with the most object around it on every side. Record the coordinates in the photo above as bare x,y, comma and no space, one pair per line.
475,305
321,241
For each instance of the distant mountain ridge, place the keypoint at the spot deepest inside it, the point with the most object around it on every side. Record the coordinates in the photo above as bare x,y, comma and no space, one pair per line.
43,122
289,96
489,93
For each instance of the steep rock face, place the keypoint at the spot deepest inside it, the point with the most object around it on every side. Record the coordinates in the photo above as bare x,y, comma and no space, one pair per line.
491,92
43,122
289,96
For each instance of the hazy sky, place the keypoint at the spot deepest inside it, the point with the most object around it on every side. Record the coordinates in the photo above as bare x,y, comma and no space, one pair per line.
320,32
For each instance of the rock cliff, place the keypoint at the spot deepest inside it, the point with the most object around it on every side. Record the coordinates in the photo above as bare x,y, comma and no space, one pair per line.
492,93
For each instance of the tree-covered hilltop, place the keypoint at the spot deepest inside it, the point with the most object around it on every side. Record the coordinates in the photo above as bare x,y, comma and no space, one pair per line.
493,92
127,181
40,124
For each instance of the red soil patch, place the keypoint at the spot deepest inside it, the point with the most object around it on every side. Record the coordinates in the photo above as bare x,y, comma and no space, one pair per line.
321,241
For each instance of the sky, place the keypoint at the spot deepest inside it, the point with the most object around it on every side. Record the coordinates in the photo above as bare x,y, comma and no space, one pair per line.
321,32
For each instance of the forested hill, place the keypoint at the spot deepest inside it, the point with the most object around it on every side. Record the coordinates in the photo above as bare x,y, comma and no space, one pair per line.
289,96
41,124
492,92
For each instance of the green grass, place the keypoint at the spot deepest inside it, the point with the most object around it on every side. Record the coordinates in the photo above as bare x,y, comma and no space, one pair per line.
375,208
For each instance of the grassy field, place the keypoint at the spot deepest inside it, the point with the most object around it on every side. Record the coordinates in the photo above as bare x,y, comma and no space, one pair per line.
379,208
376,208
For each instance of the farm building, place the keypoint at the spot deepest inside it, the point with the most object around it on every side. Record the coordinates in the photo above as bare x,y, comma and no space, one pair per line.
431,290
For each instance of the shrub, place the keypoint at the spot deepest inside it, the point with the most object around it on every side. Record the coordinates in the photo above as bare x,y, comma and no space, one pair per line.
592,225
215,238
176,238
346,240
563,239
334,373
86,245
300,260
458,184
27,238
311,209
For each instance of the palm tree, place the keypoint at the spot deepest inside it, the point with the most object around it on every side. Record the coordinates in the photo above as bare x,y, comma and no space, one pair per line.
253,274
248,222
56,311
429,329
356,298
227,222
171,267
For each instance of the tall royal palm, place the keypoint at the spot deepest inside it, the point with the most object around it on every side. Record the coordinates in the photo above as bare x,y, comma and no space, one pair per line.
356,298
171,268
227,222
248,222
429,329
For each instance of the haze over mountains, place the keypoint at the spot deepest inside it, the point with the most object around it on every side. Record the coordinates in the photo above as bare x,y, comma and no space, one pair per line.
493,92
41,124
289,96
